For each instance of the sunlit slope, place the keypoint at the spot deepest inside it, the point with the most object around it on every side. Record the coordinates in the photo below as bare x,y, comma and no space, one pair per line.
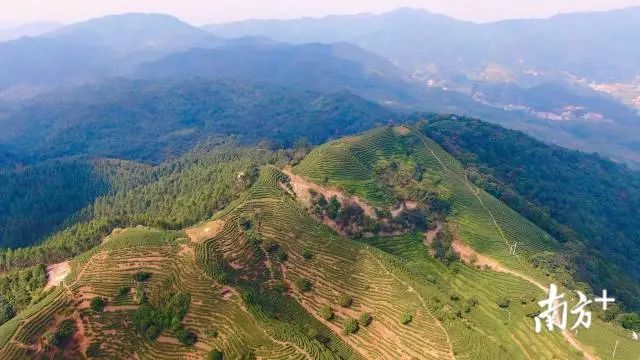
102,271
337,266
385,285
260,273
482,221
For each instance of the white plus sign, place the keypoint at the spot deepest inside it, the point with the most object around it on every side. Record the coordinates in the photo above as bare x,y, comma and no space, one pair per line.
604,300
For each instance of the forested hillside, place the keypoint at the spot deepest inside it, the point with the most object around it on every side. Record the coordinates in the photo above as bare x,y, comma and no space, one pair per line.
172,196
577,197
155,120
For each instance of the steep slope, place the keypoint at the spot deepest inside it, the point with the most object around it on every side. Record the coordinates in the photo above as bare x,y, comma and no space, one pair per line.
263,321
478,219
266,278
577,197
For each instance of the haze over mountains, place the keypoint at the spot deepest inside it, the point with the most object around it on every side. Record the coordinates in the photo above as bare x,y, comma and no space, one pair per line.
546,77
318,188
427,43
30,29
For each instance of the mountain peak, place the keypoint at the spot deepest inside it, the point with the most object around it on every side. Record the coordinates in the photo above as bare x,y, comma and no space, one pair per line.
136,31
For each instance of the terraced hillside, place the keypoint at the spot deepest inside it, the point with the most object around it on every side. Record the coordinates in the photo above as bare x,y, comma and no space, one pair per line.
271,278
496,236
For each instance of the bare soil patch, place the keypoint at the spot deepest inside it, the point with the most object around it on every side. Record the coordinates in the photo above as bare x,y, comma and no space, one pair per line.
57,273
301,188
470,256
205,231
405,205
401,130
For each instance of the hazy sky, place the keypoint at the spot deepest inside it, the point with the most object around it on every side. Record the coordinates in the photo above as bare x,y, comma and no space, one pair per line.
204,11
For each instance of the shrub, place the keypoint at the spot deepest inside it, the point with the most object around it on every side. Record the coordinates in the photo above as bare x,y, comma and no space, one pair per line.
326,312
282,256
215,355
97,304
611,313
406,318
245,222
66,328
93,350
152,332
303,284
279,287
365,319
307,254
503,302
630,321
211,333
141,276
345,300
186,337
472,301
350,326
141,295
333,207
123,290
532,310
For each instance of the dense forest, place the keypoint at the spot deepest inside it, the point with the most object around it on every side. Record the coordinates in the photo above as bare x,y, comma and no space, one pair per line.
587,202
173,195
57,191
20,288
108,119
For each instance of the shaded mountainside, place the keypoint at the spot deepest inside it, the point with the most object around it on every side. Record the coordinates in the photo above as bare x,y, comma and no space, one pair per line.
107,120
318,67
265,278
96,49
429,43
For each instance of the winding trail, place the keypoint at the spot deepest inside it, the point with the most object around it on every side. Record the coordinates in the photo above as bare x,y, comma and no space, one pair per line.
497,265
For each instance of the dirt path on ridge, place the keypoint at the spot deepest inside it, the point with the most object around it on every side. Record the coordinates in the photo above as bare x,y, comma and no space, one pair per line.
490,262
470,256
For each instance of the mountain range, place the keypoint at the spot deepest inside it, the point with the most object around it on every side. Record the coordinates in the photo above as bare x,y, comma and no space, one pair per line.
348,187
536,88
423,42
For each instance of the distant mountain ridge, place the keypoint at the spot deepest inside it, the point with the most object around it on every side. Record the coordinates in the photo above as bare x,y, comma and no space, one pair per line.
318,67
418,40
95,49
28,29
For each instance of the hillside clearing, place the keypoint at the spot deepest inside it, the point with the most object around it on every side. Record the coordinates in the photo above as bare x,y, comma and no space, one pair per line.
56,273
